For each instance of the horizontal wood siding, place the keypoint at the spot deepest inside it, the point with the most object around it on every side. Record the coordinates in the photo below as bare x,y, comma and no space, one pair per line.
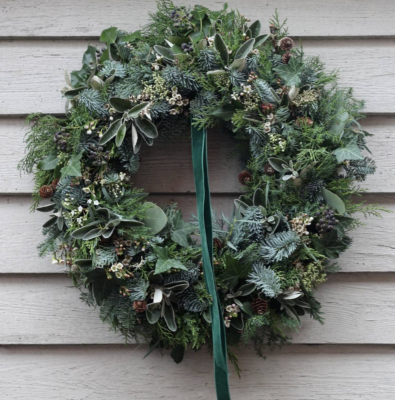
116,372
34,71
54,346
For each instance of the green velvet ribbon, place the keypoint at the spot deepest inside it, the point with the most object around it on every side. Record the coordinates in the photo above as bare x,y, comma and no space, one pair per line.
200,172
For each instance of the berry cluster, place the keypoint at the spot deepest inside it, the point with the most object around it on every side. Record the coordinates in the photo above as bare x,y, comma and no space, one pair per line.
99,53
326,219
181,19
97,154
60,140
187,47
267,108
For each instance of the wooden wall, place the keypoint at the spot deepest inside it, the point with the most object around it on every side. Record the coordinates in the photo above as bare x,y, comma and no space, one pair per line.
48,350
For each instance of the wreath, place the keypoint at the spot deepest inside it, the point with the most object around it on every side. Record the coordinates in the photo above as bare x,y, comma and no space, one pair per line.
217,280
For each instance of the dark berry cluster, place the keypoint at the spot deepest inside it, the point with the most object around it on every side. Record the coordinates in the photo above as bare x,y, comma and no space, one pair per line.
187,47
326,219
97,154
60,140
180,17
99,53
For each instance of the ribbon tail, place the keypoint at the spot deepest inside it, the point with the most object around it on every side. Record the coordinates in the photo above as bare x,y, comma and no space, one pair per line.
200,171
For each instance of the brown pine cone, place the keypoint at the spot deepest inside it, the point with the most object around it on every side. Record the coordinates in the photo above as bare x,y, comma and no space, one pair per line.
245,177
286,43
46,191
259,306
54,183
140,306
217,244
268,170
286,57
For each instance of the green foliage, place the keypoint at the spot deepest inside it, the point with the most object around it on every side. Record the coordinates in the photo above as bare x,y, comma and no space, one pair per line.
301,149
265,279
280,246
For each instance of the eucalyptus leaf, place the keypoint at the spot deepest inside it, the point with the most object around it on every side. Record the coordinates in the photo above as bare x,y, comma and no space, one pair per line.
255,28
81,232
108,232
177,39
153,313
238,64
136,110
164,52
333,200
220,46
92,234
121,105
155,218
46,208
96,83
72,93
50,222
245,49
146,127
130,223
276,163
217,72
111,132
260,40
169,316
120,135
135,137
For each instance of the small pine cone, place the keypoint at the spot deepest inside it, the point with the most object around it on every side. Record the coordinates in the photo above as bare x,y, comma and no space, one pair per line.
259,306
245,177
217,244
140,306
286,43
46,191
286,57
268,170
54,183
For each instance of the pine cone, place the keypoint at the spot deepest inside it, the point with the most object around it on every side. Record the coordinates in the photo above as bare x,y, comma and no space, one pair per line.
286,57
245,177
259,306
46,191
217,244
140,306
286,43
268,170
54,183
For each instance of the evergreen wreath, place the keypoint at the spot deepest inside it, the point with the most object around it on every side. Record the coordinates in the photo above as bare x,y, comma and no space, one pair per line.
300,148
